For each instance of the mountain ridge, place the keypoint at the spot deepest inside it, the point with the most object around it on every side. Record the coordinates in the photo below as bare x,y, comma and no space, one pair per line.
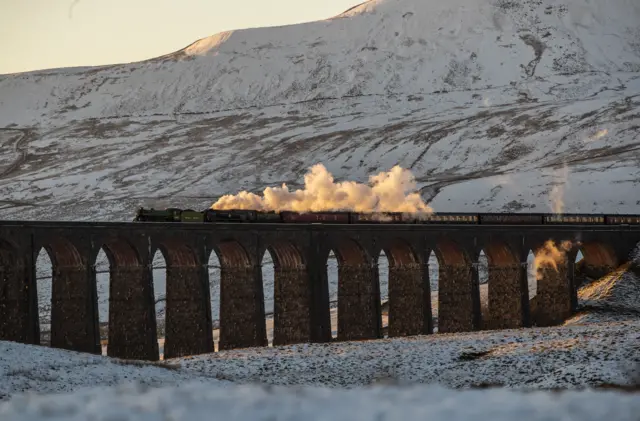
336,58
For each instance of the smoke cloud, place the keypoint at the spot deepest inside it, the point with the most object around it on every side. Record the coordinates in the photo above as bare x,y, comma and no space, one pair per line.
550,255
392,191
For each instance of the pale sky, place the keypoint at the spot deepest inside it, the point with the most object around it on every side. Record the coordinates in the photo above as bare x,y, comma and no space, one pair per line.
42,34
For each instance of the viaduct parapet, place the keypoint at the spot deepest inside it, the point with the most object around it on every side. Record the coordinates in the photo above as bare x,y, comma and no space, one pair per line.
301,301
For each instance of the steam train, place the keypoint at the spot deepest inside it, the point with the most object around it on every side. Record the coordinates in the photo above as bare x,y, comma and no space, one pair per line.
253,216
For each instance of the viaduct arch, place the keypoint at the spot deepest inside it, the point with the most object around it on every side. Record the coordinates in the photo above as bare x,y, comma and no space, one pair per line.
301,300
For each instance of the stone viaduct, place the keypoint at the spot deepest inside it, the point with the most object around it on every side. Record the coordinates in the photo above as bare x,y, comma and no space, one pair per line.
301,308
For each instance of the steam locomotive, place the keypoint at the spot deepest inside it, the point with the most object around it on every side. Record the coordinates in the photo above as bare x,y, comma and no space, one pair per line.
253,216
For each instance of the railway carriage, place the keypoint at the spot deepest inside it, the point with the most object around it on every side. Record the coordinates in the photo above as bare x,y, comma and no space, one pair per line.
290,217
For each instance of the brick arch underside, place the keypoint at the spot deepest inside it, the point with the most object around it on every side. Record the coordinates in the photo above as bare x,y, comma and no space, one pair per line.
358,293
14,296
242,319
188,328
292,293
508,289
599,259
458,293
409,291
132,318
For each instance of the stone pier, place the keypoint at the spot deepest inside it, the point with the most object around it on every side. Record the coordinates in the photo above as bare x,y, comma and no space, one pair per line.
554,300
132,320
358,302
14,299
505,297
409,311
242,320
73,315
292,312
187,330
455,299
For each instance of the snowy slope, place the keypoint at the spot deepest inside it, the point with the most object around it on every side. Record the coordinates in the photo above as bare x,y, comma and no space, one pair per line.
490,103
614,297
384,47
566,357
540,358
29,368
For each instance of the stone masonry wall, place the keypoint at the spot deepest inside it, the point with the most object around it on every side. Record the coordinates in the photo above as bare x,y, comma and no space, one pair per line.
186,329
132,327
455,289
14,303
406,301
320,312
72,319
292,318
505,297
357,311
553,296
242,324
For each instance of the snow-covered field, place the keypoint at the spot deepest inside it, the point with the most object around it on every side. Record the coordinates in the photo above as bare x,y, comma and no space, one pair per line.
541,358
563,357
29,368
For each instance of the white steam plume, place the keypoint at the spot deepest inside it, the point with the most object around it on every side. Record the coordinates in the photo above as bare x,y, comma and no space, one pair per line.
551,255
387,192
558,190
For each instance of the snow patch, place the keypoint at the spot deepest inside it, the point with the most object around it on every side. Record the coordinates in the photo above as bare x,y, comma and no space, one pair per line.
207,45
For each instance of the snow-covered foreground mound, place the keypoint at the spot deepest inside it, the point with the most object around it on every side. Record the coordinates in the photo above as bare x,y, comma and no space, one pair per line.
618,290
572,356
545,358
198,402
614,297
28,368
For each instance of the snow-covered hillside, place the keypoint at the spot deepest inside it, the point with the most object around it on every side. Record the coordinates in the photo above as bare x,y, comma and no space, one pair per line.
492,104
614,297
383,47
30,368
